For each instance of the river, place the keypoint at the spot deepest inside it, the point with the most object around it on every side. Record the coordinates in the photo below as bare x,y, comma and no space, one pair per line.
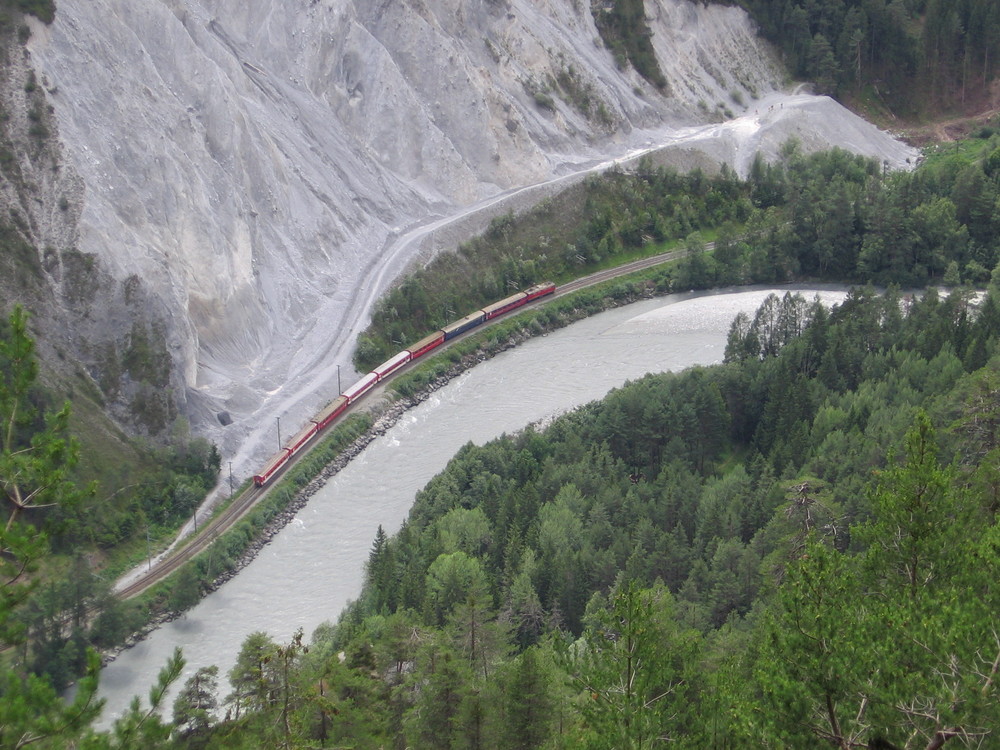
315,565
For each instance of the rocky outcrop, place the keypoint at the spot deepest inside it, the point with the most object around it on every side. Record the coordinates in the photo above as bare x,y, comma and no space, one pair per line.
250,168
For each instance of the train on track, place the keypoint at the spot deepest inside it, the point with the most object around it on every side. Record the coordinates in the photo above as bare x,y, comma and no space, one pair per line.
335,408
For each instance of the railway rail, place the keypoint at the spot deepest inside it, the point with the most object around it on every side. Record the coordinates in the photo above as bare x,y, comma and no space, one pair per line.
243,502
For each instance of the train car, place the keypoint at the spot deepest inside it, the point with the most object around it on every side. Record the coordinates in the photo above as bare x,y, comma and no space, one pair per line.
464,324
539,290
504,305
360,388
274,463
425,344
391,365
333,410
302,437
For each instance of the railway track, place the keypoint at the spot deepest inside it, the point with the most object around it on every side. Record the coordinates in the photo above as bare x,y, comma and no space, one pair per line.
198,543
243,502
623,270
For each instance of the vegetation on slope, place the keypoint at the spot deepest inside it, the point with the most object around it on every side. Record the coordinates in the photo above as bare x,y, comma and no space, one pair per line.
912,56
43,10
833,216
143,490
603,222
624,30
679,506
70,606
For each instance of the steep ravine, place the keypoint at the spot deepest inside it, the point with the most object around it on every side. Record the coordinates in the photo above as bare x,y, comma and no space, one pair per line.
251,168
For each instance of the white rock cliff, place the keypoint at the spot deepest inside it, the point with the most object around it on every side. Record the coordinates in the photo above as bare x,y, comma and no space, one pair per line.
258,164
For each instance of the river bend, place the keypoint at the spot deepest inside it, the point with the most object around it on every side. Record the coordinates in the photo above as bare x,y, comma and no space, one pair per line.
314,567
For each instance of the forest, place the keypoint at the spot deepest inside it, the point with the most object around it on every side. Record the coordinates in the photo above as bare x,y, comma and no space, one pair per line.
830,217
910,57
797,548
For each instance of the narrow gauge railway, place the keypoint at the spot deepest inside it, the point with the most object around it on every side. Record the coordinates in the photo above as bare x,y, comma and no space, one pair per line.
199,543
335,408
627,268
319,422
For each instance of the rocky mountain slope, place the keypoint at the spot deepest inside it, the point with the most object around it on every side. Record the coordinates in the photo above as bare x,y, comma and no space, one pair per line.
239,179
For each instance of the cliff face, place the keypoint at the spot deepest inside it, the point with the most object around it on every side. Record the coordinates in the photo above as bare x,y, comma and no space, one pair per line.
240,171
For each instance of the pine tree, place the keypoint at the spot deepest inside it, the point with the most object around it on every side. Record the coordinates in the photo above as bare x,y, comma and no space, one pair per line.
194,707
633,668
35,458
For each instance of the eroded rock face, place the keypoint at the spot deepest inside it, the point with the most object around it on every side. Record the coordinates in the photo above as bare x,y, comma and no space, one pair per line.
253,162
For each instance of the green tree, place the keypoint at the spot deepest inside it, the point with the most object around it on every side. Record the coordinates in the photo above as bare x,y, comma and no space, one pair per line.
35,458
529,701
186,590
809,675
822,65
897,645
195,706
634,667
451,580
140,729
32,714
254,687
443,687
932,565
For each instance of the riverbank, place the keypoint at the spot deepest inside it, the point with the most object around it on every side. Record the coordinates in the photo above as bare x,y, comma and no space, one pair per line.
409,390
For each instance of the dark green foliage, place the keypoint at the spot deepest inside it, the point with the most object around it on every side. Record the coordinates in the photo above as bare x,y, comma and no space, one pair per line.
697,492
623,28
634,666
597,224
529,702
702,557
830,216
72,607
195,706
908,55
870,646
35,456
186,591
44,10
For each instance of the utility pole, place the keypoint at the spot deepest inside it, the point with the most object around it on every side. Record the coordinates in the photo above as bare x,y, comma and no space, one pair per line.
279,432
339,389
230,477
149,552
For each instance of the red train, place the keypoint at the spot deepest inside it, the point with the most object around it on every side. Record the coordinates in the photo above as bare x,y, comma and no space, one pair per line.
336,407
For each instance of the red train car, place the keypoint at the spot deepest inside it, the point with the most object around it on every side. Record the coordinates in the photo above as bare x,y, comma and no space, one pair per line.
333,410
539,290
302,437
504,305
425,344
276,462
336,407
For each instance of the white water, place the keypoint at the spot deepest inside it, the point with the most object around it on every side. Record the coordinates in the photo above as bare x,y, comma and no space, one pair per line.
315,566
